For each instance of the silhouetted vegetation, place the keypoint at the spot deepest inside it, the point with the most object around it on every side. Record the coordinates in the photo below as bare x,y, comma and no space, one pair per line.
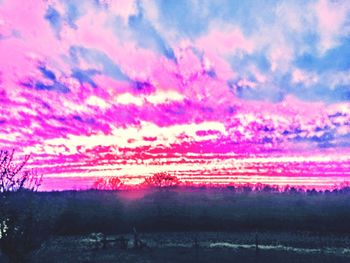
162,180
108,183
21,229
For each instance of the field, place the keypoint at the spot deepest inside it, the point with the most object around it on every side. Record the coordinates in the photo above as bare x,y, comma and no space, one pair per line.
188,225
211,247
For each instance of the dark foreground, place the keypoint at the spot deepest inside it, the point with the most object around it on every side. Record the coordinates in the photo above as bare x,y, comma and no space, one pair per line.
178,225
199,247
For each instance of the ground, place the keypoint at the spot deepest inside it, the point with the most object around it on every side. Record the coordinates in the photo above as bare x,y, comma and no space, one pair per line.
185,225
211,247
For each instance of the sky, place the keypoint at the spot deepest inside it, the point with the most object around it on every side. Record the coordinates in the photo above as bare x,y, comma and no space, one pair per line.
210,91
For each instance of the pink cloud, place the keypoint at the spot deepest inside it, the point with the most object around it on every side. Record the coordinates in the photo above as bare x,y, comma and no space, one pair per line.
331,17
224,42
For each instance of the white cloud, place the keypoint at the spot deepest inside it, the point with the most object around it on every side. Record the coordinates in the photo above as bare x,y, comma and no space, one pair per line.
159,97
127,98
97,102
133,136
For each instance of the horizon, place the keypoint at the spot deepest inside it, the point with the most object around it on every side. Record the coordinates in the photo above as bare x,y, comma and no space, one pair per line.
208,91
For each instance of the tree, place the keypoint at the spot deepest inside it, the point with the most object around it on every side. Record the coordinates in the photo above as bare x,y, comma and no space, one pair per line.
108,183
162,180
18,231
12,178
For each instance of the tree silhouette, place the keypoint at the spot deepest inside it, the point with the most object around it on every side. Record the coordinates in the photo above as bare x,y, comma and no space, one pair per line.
18,233
162,180
12,178
108,183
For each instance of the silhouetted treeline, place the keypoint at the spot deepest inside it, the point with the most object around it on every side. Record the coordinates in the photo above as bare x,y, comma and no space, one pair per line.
167,181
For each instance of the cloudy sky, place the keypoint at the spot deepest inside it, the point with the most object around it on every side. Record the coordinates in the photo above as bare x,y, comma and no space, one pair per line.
206,90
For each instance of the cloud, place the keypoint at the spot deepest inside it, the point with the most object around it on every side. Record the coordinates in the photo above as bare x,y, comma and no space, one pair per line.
332,19
224,42
306,78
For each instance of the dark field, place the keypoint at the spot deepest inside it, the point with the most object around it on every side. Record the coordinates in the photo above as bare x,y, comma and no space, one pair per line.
189,225
212,247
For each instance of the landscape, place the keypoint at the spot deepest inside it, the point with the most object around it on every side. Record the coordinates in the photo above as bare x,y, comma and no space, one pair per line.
174,131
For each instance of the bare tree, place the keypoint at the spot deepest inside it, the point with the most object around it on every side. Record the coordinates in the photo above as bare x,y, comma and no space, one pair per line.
162,180
108,183
12,178
17,220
